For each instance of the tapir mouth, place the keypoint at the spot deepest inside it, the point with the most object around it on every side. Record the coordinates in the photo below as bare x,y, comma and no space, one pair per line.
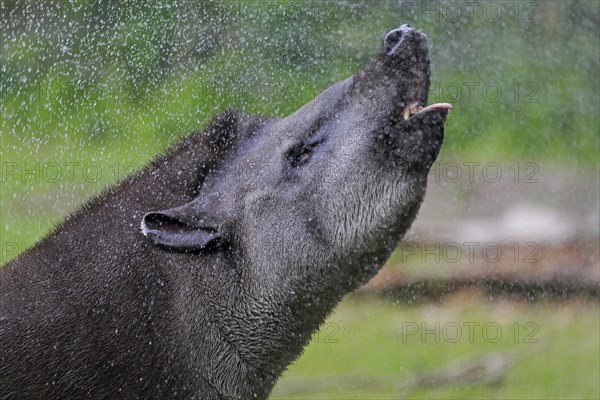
416,128
405,53
414,108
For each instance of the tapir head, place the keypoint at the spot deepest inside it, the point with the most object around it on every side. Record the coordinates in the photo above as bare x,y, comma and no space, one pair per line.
315,202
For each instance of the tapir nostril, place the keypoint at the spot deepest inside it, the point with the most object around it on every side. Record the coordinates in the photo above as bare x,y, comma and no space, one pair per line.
392,40
398,41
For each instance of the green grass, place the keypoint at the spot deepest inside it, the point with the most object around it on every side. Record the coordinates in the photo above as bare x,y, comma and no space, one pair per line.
363,341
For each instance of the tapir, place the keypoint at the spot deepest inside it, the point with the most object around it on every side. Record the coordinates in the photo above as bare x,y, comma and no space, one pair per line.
204,274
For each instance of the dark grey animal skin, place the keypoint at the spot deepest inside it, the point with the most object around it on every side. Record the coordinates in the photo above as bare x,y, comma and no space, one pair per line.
265,225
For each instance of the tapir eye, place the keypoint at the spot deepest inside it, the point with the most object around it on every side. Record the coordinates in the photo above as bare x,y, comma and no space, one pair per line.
301,153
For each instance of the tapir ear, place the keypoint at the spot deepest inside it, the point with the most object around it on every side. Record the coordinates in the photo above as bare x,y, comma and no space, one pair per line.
175,229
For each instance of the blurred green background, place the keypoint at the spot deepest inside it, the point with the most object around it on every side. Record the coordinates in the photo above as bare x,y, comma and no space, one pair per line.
91,90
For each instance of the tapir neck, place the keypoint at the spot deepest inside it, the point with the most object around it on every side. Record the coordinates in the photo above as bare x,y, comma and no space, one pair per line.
277,324
270,328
